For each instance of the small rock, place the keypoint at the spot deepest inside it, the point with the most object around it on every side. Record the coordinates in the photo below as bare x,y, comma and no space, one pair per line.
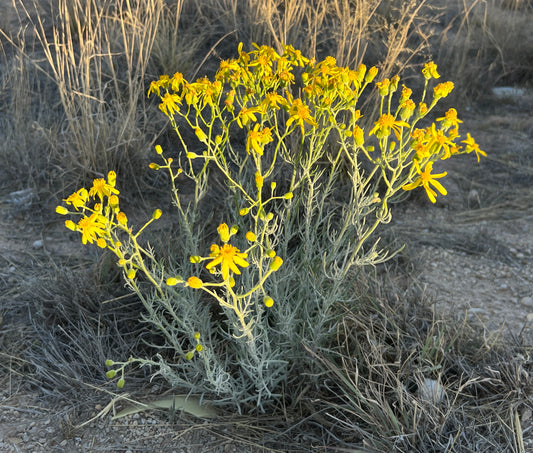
431,390
527,301
37,244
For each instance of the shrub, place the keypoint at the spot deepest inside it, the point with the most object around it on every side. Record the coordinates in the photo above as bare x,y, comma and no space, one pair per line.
304,189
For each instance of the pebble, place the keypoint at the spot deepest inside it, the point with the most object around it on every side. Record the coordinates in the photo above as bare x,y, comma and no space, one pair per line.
37,244
527,301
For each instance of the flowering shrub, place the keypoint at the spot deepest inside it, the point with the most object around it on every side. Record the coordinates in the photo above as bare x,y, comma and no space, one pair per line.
306,188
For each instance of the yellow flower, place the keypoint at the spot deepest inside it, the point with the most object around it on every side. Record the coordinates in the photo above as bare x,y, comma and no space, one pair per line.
156,85
258,139
407,109
170,104
450,119
102,188
91,227
471,145
300,113
246,115
406,94
229,257
294,55
78,199
430,71
273,100
230,99
425,179
383,87
437,139
442,90
386,122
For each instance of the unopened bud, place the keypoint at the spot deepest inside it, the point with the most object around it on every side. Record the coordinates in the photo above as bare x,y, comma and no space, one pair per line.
268,301
276,263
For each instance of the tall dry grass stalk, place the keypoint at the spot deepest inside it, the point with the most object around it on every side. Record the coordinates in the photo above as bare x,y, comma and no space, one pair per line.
476,44
389,33
97,54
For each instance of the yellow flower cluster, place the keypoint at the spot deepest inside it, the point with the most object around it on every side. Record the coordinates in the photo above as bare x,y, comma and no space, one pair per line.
255,91
103,222
99,211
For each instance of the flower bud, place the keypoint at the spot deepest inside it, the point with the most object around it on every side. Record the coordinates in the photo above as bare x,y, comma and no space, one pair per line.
112,178
223,232
109,362
197,335
195,282
271,253
258,180
61,210
358,136
371,74
430,71
122,219
158,149
156,214
113,201
173,281
200,134
111,374
131,274
70,225
276,263
243,211
361,70
288,195
233,230
195,259
189,355
273,185
101,243
251,236
268,301
153,166
199,348
191,155
121,383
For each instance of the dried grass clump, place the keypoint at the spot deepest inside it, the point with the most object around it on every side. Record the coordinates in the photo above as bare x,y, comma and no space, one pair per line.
403,380
78,322
476,44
